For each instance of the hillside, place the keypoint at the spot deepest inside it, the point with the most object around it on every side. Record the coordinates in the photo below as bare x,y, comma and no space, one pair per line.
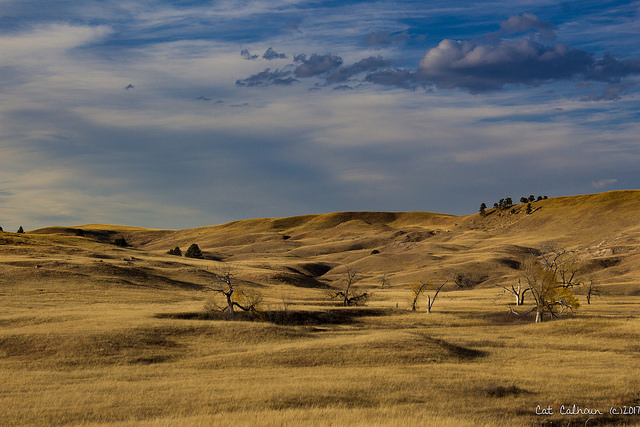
96,334
313,250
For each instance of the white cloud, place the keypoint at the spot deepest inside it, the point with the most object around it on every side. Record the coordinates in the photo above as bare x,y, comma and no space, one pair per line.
44,41
602,183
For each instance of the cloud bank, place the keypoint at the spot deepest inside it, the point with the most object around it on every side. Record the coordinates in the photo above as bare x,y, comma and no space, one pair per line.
468,65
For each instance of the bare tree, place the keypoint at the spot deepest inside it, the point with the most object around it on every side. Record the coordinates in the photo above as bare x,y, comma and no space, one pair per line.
384,282
235,296
564,264
592,289
421,287
348,294
430,300
518,292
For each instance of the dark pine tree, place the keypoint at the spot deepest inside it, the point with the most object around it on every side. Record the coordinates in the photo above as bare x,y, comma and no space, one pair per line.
193,252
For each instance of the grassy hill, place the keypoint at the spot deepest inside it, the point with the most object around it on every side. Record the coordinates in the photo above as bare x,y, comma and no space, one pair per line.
312,250
96,334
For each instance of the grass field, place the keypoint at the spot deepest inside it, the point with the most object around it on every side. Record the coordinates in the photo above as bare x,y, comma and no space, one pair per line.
93,362
92,334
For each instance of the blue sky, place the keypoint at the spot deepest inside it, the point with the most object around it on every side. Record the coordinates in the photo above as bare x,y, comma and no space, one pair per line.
176,114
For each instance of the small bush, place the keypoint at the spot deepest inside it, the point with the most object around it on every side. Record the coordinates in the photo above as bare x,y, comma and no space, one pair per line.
20,230
194,252
463,281
176,251
120,241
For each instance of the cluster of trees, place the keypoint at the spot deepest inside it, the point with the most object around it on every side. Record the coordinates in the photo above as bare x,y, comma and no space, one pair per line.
550,279
192,252
507,203
349,295
237,297
532,198
503,204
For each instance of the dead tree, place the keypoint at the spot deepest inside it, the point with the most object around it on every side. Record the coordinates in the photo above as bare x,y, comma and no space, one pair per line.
421,287
235,296
563,264
430,300
384,282
348,295
592,289
518,292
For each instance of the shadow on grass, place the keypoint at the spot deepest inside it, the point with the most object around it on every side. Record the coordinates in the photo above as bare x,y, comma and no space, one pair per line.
335,316
504,317
499,391
462,353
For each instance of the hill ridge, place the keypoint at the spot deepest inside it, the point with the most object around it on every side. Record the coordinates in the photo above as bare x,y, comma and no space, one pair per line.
603,228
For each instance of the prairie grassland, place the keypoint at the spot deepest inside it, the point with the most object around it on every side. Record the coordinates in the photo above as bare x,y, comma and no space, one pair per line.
92,334
91,362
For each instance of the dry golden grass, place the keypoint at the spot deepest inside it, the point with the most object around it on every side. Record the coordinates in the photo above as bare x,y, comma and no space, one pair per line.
463,364
95,335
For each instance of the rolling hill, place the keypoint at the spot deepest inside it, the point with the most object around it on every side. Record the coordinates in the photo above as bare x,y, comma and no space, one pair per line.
313,250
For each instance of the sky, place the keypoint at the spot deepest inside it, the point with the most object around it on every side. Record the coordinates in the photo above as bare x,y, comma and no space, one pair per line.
179,114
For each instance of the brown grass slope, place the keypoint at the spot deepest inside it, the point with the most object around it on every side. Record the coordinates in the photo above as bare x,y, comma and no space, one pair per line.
604,229
314,250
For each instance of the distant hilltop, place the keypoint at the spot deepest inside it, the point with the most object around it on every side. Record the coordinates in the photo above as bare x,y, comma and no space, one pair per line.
604,229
